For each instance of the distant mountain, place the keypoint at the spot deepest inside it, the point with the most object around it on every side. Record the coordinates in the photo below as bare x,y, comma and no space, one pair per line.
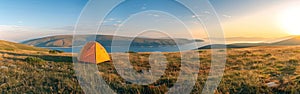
240,39
235,45
105,40
291,41
295,40
11,46
55,41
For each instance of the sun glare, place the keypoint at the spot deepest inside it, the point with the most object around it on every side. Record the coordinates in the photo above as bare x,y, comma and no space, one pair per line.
290,20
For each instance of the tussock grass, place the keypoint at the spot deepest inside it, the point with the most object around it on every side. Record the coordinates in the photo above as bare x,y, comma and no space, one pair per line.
34,60
248,70
1,57
55,51
29,73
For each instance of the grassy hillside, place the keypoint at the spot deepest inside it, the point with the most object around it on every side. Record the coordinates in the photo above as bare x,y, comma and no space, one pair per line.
26,71
5,45
248,70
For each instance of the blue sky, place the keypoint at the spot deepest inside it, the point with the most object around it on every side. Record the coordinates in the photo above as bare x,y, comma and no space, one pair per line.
40,13
25,19
55,13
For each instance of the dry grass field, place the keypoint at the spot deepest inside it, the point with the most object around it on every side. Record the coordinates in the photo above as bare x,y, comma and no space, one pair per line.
248,70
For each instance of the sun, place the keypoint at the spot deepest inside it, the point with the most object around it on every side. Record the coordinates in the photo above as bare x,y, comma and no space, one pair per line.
290,20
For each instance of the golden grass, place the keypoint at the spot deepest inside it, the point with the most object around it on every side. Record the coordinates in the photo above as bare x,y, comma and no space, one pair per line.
10,46
1,57
54,76
248,70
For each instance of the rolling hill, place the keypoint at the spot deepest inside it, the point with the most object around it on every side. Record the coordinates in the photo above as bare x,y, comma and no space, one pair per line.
11,46
105,40
292,41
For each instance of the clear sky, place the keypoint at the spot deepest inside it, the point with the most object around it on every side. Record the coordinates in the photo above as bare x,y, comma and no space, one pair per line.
26,19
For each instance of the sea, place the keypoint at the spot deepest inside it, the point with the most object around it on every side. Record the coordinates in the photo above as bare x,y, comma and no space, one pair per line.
112,49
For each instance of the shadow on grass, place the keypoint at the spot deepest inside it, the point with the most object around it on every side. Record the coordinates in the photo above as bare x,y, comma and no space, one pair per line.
67,59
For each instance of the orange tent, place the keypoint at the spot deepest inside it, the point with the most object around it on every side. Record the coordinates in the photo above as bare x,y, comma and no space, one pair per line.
93,52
